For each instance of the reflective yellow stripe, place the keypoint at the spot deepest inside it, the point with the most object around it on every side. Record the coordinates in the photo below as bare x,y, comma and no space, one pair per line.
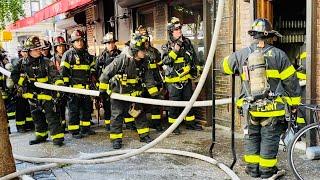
179,60
240,102
59,82
160,63
81,67
20,82
152,66
44,97
171,120
271,73
134,94
65,64
4,97
292,101
301,76
127,120
116,136
303,55
177,79
73,127
29,119
190,118
20,123
287,72
1,77
11,114
279,99
253,159
300,120
173,55
267,162
80,86
57,136
226,67
130,81
153,90
143,131
66,79
155,116
43,134
85,123
27,95
107,121
103,86
42,80
243,76
268,113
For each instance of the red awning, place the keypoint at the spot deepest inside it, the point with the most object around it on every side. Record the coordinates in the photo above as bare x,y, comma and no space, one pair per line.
52,10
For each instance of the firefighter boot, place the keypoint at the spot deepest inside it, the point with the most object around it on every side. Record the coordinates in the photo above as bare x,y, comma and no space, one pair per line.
131,126
146,139
107,127
58,142
253,171
275,173
38,140
29,126
21,129
87,131
77,135
176,131
193,126
117,144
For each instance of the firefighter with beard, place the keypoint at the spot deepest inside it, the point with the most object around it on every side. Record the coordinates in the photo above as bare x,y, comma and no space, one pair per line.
77,67
36,68
180,60
127,76
60,47
269,81
105,58
153,57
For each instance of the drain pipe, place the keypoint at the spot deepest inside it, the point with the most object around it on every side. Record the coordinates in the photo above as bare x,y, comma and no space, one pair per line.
233,87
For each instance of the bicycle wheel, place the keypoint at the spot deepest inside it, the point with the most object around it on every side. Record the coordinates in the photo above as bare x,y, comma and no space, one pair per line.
302,166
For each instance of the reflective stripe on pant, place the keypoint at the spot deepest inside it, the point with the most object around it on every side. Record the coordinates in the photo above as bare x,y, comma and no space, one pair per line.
261,145
79,112
183,94
45,121
119,110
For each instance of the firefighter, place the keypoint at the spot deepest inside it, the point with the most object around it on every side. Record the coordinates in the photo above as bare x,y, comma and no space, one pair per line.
105,58
269,81
46,50
3,87
36,68
24,121
180,60
153,57
77,66
302,76
128,76
60,47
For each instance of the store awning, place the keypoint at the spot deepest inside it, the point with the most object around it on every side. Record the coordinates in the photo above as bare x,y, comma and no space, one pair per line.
50,11
128,3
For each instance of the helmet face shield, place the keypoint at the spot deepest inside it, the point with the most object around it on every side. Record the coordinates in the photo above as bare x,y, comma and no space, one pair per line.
262,28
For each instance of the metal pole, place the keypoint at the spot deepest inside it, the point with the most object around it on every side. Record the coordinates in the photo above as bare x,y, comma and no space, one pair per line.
213,87
233,88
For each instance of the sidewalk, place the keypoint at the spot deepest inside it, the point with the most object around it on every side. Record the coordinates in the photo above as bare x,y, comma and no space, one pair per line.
145,166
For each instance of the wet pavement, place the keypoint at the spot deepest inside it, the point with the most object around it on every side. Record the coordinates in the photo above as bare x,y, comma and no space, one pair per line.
145,166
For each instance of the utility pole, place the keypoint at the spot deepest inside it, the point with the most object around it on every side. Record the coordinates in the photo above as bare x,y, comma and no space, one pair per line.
7,164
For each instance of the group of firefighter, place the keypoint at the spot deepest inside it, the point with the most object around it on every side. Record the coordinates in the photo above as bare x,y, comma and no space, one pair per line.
269,83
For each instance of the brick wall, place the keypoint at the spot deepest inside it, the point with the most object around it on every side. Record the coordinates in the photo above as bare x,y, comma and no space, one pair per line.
317,51
224,48
90,16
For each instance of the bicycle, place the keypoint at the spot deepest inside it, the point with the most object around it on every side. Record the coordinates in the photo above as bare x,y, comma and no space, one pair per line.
299,155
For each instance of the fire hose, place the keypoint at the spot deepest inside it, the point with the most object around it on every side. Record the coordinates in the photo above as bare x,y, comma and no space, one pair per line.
133,152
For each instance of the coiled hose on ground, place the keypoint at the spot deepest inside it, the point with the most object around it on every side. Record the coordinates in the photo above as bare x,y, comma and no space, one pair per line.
147,148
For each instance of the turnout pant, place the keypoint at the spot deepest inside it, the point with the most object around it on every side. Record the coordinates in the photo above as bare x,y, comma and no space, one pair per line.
262,143
80,108
45,118
119,110
107,110
177,94
23,114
